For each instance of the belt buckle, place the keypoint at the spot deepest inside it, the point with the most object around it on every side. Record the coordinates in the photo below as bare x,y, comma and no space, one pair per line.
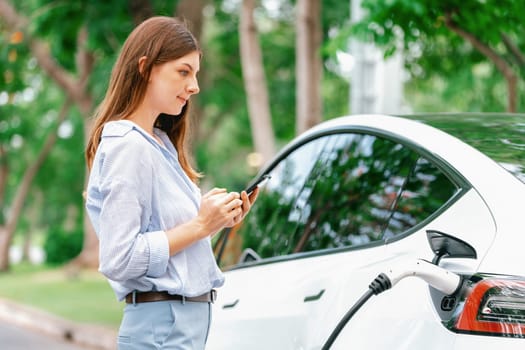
213,295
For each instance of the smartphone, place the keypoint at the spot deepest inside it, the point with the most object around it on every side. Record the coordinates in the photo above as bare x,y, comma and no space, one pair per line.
250,189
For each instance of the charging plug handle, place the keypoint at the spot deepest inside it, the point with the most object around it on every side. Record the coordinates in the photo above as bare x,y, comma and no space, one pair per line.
437,277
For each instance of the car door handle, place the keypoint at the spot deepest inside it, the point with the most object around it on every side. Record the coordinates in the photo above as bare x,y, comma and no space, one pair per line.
314,297
230,305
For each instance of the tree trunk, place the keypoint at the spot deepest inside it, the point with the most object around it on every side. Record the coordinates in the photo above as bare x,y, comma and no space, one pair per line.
4,173
192,12
7,231
140,10
255,83
514,50
32,214
74,87
5,243
308,64
512,88
26,245
88,257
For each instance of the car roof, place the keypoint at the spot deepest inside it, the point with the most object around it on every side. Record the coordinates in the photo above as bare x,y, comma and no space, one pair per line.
496,185
500,137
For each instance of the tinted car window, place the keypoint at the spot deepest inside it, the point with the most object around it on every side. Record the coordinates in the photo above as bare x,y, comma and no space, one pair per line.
424,191
343,190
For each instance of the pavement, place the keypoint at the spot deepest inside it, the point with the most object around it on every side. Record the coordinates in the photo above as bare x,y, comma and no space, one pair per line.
87,335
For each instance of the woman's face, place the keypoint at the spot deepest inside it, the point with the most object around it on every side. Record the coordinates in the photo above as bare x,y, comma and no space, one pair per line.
172,83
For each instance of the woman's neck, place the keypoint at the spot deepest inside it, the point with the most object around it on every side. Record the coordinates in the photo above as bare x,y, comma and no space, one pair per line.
144,119
146,123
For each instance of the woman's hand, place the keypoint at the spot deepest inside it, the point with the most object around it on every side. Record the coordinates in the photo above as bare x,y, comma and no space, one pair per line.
225,209
219,209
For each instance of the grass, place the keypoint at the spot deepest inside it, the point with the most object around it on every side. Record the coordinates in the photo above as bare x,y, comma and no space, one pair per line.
84,296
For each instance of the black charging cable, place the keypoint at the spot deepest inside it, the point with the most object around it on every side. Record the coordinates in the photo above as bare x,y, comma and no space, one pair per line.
378,285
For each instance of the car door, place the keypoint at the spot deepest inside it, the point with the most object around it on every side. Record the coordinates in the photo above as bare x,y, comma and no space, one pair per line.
318,234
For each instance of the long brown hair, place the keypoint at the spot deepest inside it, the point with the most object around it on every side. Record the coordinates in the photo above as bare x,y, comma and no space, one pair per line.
160,39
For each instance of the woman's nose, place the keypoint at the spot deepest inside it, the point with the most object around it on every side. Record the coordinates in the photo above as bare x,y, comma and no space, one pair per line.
193,87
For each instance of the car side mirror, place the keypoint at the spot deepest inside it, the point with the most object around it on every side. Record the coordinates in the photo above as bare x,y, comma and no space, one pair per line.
444,245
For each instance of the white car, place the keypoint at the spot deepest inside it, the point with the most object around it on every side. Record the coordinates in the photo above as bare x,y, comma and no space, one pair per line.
382,232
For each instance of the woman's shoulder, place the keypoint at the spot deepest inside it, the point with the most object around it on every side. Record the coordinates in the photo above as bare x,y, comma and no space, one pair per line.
121,143
124,131
117,128
123,137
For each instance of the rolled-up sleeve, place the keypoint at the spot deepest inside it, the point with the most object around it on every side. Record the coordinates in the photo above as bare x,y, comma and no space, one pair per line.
124,176
159,253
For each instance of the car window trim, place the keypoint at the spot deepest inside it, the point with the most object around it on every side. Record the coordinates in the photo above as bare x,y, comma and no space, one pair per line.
453,175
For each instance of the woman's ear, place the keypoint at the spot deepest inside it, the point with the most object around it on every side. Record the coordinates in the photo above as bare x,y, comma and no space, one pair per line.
142,63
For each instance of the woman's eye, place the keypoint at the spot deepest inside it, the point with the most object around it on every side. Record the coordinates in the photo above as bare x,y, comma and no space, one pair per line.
184,73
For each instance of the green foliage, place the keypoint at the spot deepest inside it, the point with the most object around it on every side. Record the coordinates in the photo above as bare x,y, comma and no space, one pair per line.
61,245
335,91
439,81
226,138
59,183
13,58
443,67
62,176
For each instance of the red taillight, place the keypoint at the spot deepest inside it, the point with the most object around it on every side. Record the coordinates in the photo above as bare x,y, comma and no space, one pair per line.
496,307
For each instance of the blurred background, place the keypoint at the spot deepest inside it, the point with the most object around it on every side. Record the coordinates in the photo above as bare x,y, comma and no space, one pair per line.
271,69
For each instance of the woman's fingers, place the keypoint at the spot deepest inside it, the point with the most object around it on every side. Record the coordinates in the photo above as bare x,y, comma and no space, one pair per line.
221,208
233,202
215,191
248,200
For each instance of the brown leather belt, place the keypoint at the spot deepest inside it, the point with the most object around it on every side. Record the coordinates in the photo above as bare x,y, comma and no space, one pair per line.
146,297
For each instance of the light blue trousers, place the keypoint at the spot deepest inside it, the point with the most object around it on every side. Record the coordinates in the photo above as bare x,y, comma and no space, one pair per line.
166,325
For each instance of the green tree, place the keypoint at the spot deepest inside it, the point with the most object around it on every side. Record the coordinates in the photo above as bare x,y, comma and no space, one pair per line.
66,39
72,46
25,144
441,37
226,122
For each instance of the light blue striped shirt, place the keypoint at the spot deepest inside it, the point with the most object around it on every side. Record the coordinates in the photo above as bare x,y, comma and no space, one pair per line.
137,190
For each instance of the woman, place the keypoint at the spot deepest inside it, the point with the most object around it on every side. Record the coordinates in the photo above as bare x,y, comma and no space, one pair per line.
153,225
